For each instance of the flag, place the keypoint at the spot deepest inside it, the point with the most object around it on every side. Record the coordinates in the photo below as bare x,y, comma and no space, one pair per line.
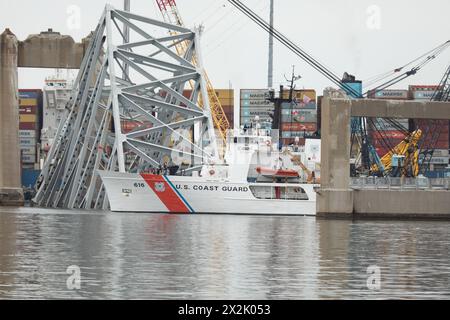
306,99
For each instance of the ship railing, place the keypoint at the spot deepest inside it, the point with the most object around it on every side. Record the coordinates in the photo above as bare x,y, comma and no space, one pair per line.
389,183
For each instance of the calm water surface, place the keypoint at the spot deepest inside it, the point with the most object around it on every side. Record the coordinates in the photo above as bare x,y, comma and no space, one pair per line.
144,256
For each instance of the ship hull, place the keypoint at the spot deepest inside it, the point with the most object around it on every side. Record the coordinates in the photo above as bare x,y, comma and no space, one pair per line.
185,195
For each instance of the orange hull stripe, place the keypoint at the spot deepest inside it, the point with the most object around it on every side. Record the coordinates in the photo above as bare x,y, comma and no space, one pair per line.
165,193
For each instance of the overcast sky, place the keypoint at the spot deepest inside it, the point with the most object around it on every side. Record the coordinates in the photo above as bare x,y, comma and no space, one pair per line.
362,37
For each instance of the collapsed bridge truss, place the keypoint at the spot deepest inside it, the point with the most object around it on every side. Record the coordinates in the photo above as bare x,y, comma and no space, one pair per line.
127,111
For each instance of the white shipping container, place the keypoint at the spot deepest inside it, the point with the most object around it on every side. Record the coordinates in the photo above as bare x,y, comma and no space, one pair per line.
31,154
27,133
28,150
28,158
390,94
423,95
440,160
27,142
440,153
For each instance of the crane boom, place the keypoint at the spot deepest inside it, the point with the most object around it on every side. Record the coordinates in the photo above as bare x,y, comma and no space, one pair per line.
443,92
170,13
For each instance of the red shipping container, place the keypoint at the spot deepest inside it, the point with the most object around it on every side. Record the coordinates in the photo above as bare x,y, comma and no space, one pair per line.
295,126
423,88
388,134
389,143
441,128
27,126
128,126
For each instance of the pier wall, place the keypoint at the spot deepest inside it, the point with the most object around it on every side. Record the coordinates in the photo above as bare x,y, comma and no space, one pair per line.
10,173
336,199
51,50
45,50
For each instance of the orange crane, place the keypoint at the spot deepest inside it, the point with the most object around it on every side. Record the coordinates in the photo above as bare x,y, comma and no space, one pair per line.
171,15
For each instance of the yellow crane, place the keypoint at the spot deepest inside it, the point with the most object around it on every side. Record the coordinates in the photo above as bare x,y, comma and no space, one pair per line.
171,15
408,149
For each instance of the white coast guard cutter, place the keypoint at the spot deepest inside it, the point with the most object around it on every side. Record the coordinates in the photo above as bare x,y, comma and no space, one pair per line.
240,186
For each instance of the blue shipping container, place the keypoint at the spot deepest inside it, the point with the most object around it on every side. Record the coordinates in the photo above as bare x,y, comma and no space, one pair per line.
29,177
29,95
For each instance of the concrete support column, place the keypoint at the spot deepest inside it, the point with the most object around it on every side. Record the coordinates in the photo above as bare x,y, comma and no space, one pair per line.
11,192
335,196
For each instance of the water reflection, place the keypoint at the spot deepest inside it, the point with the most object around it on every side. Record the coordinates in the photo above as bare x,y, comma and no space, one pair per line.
134,256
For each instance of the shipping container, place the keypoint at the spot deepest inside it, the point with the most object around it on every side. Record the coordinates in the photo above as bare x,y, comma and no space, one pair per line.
413,88
299,105
388,134
28,126
422,92
300,116
299,126
227,108
257,104
382,124
442,144
29,177
291,141
251,112
28,149
28,118
356,86
298,112
27,133
423,95
28,159
30,93
255,94
257,109
300,134
31,142
305,95
440,160
389,94
28,110
440,153
252,119
441,126
225,94
28,102
388,143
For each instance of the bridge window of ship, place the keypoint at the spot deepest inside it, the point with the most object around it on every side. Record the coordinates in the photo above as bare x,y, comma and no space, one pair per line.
278,192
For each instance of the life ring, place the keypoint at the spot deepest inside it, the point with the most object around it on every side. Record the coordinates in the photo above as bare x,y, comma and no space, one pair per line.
268,143
212,172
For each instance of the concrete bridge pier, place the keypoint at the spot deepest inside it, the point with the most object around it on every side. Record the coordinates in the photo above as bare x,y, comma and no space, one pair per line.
11,192
337,199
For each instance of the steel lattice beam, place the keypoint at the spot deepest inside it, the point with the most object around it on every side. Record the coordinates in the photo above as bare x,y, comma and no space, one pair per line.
126,111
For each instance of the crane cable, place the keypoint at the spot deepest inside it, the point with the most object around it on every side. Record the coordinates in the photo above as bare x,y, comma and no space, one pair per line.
294,48
430,55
